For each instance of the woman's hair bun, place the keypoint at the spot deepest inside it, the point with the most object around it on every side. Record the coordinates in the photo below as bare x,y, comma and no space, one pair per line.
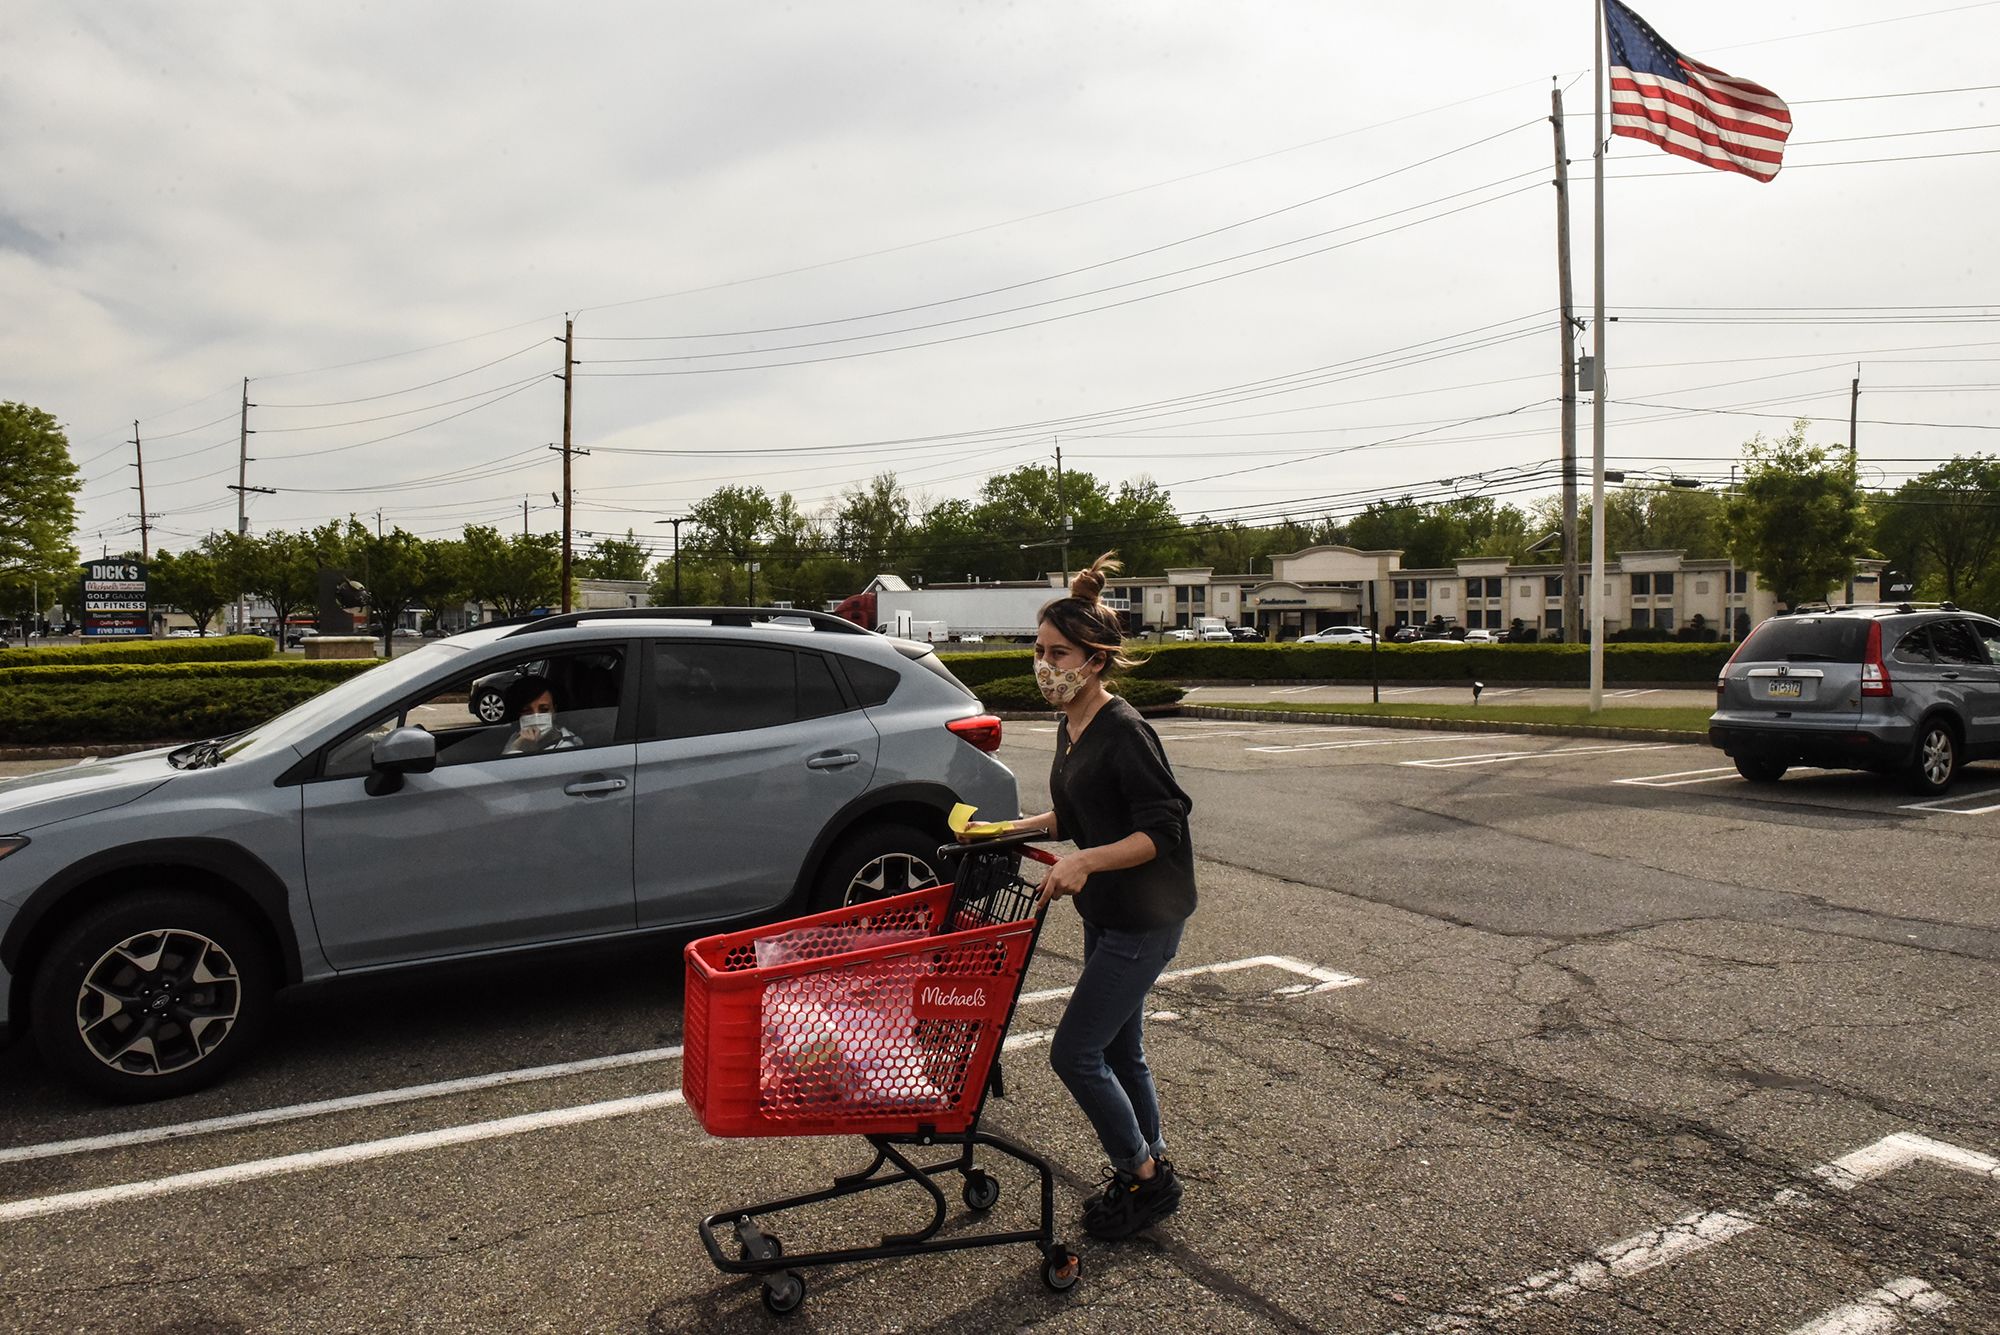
1089,581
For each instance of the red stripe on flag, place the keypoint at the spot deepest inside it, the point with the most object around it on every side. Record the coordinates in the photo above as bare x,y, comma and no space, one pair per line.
1704,110
1744,87
1753,98
1695,131
1681,150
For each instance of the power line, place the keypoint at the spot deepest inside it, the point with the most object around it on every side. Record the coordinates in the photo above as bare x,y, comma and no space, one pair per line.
409,389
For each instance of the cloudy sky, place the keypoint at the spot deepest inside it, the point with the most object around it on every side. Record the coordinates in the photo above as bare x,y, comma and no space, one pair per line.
1277,257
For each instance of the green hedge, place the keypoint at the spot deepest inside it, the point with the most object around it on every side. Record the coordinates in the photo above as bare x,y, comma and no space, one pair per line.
149,710
215,649
325,671
975,670
1021,693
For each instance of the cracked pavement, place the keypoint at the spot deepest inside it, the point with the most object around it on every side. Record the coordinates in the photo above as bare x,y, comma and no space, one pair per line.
1594,1012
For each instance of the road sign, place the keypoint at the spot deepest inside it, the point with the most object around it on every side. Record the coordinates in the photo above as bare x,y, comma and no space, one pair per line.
114,600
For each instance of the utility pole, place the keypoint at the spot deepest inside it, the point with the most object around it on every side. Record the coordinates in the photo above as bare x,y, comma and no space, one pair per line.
1599,391
524,516
676,522
1568,318
378,526
242,487
1854,422
568,448
1063,507
145,529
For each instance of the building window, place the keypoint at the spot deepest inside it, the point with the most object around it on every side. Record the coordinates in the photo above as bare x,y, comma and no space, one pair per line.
1641,586
1664,582
1741,580
1402,588
1641,618
1552,586
1663,618
1553,618
1420,588
1494,587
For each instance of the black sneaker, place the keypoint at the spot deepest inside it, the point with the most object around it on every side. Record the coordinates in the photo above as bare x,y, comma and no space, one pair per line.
1129,1204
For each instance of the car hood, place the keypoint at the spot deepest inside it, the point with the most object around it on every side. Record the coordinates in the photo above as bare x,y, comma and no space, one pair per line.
34,800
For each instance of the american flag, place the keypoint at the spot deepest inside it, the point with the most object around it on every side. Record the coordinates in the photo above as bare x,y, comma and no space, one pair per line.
1688,108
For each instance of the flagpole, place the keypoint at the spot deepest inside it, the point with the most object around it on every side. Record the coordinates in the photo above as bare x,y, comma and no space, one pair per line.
1597,517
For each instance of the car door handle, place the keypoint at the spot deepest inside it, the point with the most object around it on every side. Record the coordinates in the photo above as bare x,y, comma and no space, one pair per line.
832,760
587,787
1951,676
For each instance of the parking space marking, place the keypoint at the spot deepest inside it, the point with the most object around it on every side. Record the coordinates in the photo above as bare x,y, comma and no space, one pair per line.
1883,1309
320,1107
1352,744
1626,695
1318,980
1682,778
1501,757
1633,1256
1941,806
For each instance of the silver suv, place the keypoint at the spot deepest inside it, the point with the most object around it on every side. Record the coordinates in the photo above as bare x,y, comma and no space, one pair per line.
704,766
1897,688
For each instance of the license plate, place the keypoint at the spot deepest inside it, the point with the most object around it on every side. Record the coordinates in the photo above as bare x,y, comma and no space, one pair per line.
1784,690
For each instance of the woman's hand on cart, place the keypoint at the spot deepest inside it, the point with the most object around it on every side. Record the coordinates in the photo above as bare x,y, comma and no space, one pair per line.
1065,876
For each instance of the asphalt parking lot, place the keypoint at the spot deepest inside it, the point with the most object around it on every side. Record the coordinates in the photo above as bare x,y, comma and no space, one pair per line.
1472,1032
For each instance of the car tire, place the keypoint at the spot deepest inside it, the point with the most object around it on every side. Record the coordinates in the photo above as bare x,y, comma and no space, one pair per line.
194,971
1934,765
1760,771
875,862
489,707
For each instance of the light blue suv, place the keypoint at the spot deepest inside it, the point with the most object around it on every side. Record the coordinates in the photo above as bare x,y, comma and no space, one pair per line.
702,766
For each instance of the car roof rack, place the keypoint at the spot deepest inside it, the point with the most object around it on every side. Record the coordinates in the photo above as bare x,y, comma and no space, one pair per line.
1894,607
714,616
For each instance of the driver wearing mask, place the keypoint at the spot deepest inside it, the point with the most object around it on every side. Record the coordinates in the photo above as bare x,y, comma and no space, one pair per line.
531,704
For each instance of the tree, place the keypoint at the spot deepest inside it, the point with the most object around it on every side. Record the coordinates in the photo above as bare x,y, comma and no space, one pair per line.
283,570
614,558
444,587
1795,518
194,582
871,522
1945,524
516,573
38,485
729,521
397,570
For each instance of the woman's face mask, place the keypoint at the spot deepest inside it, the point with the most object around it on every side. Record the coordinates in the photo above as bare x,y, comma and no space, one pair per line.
538,723
1059,685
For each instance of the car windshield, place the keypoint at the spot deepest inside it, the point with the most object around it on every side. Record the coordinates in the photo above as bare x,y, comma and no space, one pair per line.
387,679
1807,640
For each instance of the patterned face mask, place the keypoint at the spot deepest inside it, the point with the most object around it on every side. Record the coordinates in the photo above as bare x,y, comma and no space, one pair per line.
1059,685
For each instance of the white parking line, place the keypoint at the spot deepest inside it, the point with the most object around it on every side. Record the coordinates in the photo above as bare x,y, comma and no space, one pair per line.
1682,778
1497,758
1693,1233
1883,1309
1319,980
1351,744
1941,806
1626,695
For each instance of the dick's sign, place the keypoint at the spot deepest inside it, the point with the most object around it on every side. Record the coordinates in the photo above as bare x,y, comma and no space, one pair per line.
114,599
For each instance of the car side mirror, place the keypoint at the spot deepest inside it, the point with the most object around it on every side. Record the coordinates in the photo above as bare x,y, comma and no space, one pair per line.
403,751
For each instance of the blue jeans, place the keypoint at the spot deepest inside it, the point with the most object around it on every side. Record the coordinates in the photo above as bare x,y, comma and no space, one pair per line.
1099,1048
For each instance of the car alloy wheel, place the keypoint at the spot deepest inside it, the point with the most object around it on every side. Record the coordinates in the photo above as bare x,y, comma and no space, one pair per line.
1937,758
158,1002
490,707
890,874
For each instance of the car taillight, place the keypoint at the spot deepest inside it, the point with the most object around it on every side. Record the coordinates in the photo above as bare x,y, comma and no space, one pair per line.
1722,678
982,730
1874,672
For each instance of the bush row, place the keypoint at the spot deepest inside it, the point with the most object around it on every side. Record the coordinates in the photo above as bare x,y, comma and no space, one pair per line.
148,710
324,671
1690,663
1021,693
216,649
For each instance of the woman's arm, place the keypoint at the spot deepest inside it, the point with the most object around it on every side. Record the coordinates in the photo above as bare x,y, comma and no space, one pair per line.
1069,874
1044,825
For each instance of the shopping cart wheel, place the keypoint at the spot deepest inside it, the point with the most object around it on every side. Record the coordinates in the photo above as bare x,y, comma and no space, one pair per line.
982,1192
770,1249
784,1292
1061,1269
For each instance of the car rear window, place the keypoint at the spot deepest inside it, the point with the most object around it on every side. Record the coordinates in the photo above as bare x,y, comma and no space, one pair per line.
923,657
1808,640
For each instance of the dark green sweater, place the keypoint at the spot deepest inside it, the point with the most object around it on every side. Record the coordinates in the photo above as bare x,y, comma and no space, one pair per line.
1113,782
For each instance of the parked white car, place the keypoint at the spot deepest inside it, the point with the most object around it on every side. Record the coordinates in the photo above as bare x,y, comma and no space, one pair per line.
1340,635
1182,634
1482,637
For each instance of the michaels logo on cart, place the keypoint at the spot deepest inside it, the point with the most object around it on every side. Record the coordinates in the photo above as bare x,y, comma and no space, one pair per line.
960,998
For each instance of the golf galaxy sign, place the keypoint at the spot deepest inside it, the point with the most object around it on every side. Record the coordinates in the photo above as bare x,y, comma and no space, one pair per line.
114,599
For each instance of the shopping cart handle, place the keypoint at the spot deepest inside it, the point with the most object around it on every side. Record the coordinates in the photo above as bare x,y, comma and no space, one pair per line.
1019,840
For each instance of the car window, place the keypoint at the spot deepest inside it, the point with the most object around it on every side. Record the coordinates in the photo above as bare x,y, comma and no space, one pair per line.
1915,647
819,693
476,717
698,690
1807,639
1989,632
1954,642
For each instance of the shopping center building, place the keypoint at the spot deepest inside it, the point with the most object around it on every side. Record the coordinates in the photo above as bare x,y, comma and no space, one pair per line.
1341,586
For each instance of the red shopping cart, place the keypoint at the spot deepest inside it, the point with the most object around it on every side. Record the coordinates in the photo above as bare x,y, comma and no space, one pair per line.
883,1019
